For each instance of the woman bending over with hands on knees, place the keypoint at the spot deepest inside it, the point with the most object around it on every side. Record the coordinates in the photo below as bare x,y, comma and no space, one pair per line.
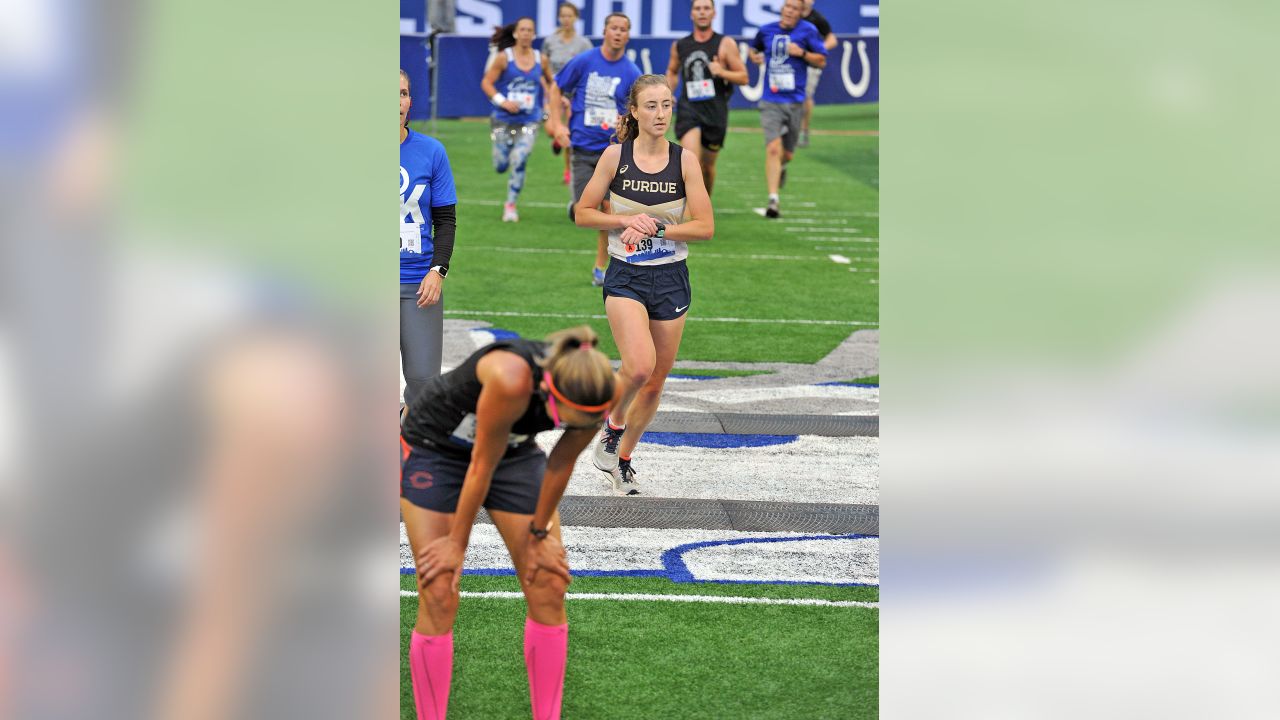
468,441
659,205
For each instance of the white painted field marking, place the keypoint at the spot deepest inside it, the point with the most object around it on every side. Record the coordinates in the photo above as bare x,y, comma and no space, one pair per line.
735,396
587,316
564,251
839,259
720,210
856,258
848,231
645,597
813,221
864,270
838,238
526,203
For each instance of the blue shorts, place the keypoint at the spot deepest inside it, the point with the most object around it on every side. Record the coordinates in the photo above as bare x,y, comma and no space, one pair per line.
662,289
433,480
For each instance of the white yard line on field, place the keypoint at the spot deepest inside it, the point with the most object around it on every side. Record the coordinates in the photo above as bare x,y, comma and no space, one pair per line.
833,230
839,238
646,597
586,316
566,251
726,210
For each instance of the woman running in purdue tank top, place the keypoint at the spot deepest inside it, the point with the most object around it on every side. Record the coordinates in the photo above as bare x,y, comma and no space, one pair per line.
468,441
659,205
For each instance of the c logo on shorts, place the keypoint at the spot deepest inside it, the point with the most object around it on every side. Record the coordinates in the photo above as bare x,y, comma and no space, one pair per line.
421,480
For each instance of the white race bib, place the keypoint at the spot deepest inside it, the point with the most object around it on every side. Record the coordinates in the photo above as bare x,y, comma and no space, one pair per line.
465,433
649,249
782,80
523,99
603,118
701,90
411,238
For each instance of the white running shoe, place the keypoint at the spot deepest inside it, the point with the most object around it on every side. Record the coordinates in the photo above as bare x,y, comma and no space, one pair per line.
509,213
605,456
624,479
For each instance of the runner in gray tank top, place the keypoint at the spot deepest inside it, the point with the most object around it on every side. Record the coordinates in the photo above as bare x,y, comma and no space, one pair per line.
558,49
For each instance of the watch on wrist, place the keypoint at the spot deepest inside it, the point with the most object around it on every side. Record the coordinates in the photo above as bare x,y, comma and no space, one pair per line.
662,229
540,534
444,271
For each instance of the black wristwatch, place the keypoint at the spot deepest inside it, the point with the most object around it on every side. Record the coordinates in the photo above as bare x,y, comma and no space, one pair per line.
540,534
662,229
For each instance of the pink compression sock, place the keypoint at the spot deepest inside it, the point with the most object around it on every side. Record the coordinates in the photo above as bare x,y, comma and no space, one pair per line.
431,667
546,648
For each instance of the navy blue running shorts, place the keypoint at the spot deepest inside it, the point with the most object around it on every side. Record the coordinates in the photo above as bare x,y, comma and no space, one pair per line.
662,289
433,480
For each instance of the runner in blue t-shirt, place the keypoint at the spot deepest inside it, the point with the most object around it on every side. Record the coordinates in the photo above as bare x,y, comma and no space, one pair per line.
793,46
428,219
513,83
599,81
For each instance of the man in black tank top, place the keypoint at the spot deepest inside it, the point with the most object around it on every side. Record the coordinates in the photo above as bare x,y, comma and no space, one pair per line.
706,65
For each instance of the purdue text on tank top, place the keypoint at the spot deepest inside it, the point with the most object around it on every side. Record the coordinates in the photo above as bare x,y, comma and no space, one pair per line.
660,194
444,417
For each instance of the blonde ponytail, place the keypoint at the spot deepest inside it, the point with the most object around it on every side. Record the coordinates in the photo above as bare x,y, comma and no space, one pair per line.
579,370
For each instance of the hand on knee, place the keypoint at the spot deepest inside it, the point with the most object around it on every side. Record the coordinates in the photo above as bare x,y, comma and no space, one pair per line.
546,598
440,597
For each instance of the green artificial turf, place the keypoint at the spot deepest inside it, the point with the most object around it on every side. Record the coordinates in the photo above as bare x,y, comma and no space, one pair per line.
645,659
541,265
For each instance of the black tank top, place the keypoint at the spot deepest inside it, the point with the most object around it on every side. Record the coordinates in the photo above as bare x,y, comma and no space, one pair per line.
444,416
695,57
660,194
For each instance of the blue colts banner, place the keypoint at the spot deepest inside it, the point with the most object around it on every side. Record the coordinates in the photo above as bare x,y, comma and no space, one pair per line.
657,18
851,75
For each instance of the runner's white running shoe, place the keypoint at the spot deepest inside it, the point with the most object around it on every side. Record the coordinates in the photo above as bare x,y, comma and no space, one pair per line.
624,479
605,456
509,213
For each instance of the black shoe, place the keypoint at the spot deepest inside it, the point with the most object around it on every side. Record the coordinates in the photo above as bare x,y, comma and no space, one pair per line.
771,211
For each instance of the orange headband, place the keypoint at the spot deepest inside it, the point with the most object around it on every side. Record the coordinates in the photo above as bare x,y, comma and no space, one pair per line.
546,375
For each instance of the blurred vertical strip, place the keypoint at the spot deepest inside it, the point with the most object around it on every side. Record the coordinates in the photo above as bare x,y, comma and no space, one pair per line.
1081,403
197,361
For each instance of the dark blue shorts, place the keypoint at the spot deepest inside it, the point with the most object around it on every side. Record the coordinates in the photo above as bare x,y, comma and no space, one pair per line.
662,289
433,480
